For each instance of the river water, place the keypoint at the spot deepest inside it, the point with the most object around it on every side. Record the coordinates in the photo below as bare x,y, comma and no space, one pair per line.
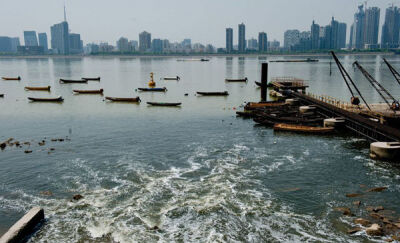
197,172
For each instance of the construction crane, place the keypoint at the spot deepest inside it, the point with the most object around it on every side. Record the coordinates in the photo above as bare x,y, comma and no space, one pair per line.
386,96
354,100
393,71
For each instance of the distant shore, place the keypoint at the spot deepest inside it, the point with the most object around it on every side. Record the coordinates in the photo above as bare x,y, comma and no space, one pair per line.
198,55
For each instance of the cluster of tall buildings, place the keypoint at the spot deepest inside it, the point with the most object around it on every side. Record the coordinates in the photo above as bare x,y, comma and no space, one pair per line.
62,42
251,45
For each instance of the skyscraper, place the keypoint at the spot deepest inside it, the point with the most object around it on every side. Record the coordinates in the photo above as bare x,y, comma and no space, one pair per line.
123,44
358,29
242,38
157,46
5,44
43,41
262,42
229,40
60,38
342,34
144,41
314,36
75,43
14,44
372,16
30,38
252,44
291,38
334,35
390,29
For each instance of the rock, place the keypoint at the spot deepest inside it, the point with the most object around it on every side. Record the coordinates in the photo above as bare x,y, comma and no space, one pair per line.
390,228
377,209
353,230
46,193
374,230
389,240
357,203
396,237
3,145
375,215
363,222
77,197
353,194
154,228
377,189
345,211
397,225
28,151
386,221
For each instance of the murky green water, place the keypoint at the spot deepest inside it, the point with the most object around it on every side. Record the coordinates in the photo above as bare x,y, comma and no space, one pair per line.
197,172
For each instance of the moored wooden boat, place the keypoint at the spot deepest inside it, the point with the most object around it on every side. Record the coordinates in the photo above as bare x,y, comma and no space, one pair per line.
153,89
7,78
92,79
177,78
57,99
224,93
95,91
46,88
116,99
301,128
163,104
253,105
71,81
236,80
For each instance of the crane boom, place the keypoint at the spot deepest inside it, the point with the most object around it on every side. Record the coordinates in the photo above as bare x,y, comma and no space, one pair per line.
348,80
386,96
393,71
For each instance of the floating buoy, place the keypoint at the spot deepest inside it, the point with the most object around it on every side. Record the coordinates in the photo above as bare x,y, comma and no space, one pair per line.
385,150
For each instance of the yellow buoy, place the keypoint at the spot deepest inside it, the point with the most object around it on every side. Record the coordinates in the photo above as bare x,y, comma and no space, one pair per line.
152,84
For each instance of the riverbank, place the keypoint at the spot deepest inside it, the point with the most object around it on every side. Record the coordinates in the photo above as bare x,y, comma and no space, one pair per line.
199,55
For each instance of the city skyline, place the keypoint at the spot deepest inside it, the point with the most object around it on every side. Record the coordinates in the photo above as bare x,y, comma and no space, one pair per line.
179,24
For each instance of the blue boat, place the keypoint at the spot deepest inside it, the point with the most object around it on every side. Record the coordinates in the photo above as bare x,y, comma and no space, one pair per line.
153,89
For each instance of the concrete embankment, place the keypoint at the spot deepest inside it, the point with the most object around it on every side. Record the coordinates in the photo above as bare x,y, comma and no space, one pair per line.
22,229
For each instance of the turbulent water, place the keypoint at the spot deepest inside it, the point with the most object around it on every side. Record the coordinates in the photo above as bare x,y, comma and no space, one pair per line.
197,172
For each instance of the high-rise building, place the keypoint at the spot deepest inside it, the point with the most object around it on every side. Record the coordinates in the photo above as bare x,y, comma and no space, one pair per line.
342,34
5,44
315,36
274,45
291,38
187,44
30,38
60,38
123,44
157,46
358,29
75,44
229,40
133,46
43,41
242,38
390,28
252,44
334,35
372,16
262,42
144,41
14,44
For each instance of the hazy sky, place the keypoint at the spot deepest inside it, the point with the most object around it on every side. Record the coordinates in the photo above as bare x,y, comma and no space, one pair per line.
203,21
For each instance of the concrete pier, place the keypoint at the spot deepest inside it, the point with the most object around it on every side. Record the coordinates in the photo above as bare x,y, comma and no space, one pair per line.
22,229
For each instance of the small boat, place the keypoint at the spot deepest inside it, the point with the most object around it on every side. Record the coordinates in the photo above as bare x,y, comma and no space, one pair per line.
163,104
92,79
177,78
57,99
17,78
153,89
236,80
95,91
1,95
253,105
47,88
300,60
300,128
259,84
204,60
71,81
225,93
115,99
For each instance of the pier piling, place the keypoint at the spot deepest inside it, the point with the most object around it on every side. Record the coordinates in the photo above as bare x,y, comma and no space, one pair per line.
264,80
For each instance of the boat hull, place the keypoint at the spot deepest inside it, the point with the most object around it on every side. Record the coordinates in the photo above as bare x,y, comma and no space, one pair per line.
99,91
70,81
163,104
58,99
236,80
225,93
302,129
152,89
38,88
116,99
92,79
